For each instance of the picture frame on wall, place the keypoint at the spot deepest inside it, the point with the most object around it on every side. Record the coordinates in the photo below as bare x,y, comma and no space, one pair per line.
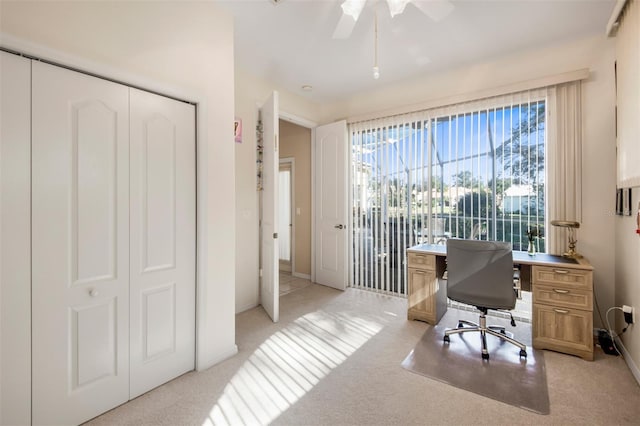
623,202
626,201
619,201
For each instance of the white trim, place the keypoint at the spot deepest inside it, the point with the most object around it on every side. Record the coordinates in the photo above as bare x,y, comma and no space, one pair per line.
581,74
217,359
99,70
313,204
299,275
350,216
295,119
612,25
246,307
627,358
291,161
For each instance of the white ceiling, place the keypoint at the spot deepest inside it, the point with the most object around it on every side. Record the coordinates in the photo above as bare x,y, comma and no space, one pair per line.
291,44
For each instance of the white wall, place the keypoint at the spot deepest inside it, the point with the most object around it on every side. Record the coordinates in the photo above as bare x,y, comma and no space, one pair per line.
596,234
251,92
627,240
184,49
628,278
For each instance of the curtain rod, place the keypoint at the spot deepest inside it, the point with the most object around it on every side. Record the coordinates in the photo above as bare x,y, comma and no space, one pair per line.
581,74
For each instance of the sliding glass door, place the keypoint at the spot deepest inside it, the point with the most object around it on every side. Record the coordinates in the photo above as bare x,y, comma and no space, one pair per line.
470,171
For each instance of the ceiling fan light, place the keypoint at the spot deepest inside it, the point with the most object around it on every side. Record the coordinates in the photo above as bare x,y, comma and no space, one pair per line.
353,8
376,73
396,7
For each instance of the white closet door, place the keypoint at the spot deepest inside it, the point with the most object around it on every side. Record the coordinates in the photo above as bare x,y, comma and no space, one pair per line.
163,218
80,239
15,240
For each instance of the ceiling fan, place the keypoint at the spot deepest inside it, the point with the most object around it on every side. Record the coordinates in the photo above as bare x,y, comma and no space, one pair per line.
351,9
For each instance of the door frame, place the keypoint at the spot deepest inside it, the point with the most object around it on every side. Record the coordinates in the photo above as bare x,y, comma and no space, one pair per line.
291,162
303,122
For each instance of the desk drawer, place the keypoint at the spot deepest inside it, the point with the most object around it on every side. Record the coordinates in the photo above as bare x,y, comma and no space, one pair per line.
421,261
560,296
565,278
565,330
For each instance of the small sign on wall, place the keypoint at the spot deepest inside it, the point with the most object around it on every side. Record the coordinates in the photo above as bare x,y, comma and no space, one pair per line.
237,130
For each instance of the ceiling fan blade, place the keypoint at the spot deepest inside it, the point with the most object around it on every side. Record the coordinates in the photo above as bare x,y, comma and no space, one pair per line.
434,9
345,27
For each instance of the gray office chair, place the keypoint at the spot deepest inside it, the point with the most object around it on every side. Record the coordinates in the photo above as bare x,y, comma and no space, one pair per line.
480,273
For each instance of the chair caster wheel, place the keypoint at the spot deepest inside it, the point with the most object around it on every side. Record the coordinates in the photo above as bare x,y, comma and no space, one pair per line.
485,356
446,339
523,353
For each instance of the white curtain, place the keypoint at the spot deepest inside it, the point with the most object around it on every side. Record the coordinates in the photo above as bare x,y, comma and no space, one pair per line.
564,161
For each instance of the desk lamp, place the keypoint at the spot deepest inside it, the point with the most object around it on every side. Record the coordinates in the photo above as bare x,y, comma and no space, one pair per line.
571,225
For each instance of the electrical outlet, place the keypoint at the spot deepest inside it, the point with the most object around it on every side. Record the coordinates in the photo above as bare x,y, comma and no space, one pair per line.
628,314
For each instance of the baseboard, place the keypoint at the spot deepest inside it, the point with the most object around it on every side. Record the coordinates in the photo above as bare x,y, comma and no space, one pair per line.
627,358
218,359
247,307
299,275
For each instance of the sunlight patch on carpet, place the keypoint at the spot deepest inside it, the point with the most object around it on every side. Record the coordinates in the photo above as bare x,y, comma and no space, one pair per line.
288,365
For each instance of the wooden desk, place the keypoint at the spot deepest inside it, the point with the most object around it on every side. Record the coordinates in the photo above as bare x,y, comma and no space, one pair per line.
562,296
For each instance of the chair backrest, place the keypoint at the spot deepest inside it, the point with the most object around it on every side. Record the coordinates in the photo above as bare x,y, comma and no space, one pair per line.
480,273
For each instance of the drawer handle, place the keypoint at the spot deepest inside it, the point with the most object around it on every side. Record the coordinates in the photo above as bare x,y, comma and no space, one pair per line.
561,311
557,290
561,271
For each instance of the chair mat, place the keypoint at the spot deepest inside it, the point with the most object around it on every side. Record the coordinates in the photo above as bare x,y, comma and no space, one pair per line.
504,376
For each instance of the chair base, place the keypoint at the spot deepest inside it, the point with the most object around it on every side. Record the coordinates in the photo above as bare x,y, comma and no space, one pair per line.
483,329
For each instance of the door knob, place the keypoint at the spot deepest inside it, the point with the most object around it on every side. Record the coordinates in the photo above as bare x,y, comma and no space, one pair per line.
339,226
93,292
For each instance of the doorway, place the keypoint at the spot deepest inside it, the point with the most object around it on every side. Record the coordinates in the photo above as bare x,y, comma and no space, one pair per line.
295,150
286,202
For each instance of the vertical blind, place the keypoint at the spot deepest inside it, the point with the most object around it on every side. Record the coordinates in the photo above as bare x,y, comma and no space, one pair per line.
471,170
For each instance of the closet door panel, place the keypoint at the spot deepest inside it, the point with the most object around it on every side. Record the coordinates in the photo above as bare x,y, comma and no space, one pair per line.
80,239
162,240
15,239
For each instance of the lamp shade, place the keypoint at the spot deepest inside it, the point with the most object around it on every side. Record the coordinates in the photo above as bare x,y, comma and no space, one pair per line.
571,225
566,223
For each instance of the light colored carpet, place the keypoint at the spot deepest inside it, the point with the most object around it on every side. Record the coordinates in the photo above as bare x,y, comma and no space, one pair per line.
334,359
505,376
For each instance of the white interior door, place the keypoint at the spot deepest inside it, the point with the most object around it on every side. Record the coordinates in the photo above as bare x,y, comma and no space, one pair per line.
331,205
80,243
163,242
269,283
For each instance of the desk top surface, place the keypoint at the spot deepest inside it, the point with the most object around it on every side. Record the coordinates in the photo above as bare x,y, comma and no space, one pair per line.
519,257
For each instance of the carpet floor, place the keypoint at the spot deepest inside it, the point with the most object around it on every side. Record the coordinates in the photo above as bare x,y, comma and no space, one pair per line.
334,359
